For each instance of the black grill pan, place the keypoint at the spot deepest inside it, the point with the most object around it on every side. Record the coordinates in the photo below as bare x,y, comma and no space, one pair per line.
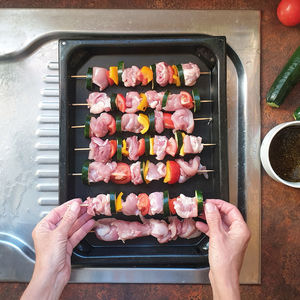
75,58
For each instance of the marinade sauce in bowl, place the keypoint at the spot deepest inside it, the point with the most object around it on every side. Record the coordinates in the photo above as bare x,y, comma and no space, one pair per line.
280,153
284,153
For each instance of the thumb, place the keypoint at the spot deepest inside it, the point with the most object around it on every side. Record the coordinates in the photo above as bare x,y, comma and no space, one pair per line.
69,218
213,218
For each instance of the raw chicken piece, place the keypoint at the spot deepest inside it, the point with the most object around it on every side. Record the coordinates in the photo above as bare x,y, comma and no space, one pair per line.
130,76
99,78
191,73
129,207
99,150
130,123
132,102
156,203
99,205
98,102
101,172
162,74
183,119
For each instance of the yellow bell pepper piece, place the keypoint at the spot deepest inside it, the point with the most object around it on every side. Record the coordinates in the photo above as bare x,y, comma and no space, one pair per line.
119,203
113,74
176,76
147,75
144,103
181,152
144,120
151,152
168,173
145,170
124,148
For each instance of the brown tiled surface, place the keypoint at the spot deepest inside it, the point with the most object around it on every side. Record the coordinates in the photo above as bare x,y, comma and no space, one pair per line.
280,204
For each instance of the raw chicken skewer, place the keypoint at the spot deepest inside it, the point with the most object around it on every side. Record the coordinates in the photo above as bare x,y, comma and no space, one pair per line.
171,172
142,204
134,148
157,121
110,229
132,102
158,74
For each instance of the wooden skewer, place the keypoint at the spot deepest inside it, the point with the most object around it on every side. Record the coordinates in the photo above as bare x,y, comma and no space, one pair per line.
82,149
205,171
116,174
86,104
79,104
202,119
88,149
196,119
82,205
84,76
78,76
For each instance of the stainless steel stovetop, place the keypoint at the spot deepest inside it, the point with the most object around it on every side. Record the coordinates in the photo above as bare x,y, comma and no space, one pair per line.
29,124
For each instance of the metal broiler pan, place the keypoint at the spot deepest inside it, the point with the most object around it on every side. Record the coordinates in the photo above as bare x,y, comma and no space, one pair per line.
76,56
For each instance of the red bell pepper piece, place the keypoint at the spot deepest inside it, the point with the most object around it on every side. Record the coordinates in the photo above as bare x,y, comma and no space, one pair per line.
110,81
113,144
171,206
168,123
121,102
143,203
141,149
172,172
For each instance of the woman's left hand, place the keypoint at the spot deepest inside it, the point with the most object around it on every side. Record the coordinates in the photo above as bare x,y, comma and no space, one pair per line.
54,238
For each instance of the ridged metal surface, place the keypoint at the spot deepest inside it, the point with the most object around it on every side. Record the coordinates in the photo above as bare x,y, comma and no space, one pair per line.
48,120
48,201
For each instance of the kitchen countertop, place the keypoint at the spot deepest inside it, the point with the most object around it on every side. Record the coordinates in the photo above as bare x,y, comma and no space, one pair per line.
280,256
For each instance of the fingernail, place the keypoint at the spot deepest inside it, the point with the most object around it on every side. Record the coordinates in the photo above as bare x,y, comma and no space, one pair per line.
74,206
209,207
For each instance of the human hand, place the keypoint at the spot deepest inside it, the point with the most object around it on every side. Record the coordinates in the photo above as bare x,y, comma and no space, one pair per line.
228,239
55,237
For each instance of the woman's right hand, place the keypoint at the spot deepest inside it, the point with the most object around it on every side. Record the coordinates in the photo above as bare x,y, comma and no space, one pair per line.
228,239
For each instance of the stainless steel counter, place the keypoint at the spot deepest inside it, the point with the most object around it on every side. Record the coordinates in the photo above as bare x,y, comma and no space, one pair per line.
29,124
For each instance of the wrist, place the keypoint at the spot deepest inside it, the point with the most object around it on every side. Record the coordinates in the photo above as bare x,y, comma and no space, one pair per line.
44,272
48,279
43,285
225,285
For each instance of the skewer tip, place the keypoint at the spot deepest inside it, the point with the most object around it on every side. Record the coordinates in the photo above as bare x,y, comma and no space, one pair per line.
78,76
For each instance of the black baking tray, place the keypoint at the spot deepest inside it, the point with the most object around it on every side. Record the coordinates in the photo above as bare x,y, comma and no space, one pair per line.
75,57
